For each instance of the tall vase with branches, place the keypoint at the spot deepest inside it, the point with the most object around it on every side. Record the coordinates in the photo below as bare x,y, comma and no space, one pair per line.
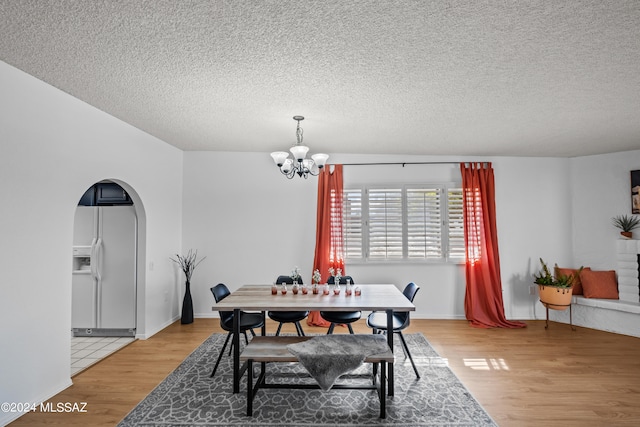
188,264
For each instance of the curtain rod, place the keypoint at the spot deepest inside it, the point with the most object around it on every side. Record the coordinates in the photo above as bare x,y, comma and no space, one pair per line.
403,163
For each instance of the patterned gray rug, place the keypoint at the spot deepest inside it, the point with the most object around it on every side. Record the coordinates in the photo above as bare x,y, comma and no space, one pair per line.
188,397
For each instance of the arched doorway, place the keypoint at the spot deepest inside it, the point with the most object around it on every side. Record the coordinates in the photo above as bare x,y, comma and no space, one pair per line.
107,273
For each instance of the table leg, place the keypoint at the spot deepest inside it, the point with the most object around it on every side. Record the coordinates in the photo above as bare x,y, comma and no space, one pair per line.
250,389
390,342
383,393
236,350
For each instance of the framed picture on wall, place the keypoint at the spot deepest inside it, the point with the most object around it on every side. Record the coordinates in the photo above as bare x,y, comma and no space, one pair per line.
635,192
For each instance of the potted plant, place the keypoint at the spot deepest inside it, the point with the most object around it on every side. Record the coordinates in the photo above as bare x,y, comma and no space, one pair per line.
555,291
315,280
626,223
337,275
295,275
187,263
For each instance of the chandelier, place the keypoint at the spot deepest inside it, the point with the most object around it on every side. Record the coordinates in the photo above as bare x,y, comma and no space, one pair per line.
298,163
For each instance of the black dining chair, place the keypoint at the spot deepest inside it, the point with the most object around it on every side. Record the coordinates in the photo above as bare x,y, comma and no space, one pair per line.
378,321
248,321
283,317
340,317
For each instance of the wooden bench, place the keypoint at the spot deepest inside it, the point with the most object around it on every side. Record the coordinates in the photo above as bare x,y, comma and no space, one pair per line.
266,349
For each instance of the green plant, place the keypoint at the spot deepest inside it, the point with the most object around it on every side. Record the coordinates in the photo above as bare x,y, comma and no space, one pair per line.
626,222
545,278
566,280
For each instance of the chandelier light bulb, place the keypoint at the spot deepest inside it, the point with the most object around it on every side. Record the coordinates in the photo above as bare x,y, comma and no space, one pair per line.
307,164
320,159
299,152
279,157
287,166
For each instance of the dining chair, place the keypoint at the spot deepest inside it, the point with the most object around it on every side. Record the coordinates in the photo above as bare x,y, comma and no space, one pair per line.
378,321
340,317
283,317
248,321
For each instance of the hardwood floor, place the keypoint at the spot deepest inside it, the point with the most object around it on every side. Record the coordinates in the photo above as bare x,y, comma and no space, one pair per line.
522,377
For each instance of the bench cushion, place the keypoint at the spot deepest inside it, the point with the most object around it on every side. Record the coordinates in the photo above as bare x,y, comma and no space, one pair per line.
329,356
599,284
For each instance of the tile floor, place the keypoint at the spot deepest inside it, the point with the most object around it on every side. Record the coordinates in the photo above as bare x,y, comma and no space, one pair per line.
86,351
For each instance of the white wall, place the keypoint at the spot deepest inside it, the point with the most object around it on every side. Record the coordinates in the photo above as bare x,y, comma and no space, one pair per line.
601,189
52,148
255,224
250,222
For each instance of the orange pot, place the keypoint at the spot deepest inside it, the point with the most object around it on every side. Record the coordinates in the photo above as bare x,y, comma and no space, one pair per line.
554,297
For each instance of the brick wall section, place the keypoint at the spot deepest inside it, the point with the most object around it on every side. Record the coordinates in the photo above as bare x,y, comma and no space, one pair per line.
627,269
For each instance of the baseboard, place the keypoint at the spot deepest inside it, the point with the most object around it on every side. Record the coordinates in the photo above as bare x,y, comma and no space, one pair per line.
447,317
147,335
208,315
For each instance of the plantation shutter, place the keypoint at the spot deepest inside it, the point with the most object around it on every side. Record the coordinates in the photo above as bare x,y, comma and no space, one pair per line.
336,254
385,224
424,223
352,224
456,224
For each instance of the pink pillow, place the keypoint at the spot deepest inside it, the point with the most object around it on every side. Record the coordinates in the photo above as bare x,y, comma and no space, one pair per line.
599,284
577,283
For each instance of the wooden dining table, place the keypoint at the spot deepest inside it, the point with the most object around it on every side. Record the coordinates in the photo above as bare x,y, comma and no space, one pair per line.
373,297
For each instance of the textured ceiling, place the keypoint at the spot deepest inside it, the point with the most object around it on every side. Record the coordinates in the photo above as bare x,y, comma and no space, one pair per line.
517,78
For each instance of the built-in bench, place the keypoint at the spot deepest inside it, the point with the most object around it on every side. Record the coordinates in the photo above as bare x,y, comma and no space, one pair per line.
621,316
266,349
611,315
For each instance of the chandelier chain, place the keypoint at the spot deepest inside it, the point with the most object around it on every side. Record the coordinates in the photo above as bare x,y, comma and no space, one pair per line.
299,134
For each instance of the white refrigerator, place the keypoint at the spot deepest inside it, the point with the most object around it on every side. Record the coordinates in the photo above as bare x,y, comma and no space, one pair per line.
104,271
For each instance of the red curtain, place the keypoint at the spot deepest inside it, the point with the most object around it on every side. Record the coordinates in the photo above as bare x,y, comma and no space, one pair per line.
328,230
483,304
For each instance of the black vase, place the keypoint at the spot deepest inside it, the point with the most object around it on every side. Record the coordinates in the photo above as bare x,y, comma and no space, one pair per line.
187,306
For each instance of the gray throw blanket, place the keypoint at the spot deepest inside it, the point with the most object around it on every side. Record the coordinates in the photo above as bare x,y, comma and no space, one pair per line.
329,356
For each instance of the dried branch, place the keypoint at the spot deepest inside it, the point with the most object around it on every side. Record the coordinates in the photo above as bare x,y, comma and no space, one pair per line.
188,263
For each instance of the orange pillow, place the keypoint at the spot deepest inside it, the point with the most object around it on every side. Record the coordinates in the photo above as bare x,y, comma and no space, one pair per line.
577,283
599,284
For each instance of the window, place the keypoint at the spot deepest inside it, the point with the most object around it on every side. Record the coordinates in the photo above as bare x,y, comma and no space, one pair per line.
403,223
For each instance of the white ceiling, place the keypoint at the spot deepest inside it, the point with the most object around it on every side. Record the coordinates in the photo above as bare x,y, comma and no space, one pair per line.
517,78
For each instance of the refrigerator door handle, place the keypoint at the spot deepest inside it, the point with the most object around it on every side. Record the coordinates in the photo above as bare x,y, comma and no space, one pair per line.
98,287
93,259
97,256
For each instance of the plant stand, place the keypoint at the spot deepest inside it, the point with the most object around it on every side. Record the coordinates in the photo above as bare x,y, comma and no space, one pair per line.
556,299
546,326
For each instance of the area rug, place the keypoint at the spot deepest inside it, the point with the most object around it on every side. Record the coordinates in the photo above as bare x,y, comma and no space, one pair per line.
189,397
